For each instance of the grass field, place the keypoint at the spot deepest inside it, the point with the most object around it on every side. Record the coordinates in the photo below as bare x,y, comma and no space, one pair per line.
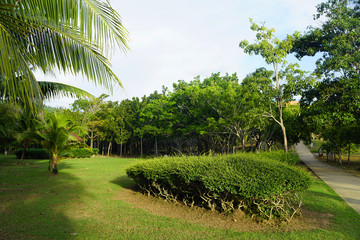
85,202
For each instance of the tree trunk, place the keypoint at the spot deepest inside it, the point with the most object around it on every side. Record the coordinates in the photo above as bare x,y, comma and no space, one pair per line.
349,151
54,164
284,134
156,147
327,155
141,146
121,149
339,154
243,144
23,153
109,147
92,139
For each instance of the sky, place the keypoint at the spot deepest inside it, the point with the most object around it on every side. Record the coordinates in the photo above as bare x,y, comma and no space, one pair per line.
179,40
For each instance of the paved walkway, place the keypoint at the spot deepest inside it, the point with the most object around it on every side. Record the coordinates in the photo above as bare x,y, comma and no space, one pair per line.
343,183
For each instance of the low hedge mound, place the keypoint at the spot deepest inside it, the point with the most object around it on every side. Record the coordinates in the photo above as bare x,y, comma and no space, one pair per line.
258,186
33,153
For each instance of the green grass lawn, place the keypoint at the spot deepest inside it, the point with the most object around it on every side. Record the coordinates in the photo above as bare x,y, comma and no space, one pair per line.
82,202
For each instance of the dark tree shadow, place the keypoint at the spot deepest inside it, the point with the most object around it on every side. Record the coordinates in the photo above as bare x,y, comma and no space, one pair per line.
125,182
33,202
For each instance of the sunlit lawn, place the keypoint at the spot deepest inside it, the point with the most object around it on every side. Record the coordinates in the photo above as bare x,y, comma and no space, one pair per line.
82,203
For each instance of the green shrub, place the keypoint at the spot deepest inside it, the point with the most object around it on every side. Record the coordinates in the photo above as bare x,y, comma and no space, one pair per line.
280,156
33,153
80,153
95,151
250,182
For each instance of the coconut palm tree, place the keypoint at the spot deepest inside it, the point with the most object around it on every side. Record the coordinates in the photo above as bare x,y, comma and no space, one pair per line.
56,136
72,36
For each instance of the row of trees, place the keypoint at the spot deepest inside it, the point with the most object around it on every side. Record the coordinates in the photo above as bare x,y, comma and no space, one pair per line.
217,114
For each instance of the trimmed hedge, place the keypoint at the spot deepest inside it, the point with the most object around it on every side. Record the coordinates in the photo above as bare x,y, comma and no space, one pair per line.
33,153
81,152
253,183
279,156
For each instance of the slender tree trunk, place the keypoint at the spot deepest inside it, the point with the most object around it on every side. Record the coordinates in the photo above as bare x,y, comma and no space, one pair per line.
349,151
109,147
285,137
121,149
243,144
141,146
156,147
339,154
23,153
92,139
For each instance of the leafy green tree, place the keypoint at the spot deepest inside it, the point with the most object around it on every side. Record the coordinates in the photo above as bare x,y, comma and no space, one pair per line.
84,111
334,104
157,117
71,36
258,97
289,80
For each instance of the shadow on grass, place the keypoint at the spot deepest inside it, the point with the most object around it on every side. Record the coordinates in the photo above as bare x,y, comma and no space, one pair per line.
33,202
325,195
125,182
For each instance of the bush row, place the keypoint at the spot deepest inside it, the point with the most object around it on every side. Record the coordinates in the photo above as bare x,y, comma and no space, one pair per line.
81,152
256,185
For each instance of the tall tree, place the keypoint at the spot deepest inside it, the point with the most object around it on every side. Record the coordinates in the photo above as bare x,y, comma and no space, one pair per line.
289,80
71,36
334,104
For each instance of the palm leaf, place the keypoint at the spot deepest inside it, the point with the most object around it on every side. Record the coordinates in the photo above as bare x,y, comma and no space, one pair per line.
53,89
75,36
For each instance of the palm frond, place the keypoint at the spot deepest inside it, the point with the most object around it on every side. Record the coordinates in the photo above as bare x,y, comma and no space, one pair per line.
53,89
75,36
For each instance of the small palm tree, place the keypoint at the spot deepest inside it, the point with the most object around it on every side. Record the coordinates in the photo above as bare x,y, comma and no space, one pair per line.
56,137
25,129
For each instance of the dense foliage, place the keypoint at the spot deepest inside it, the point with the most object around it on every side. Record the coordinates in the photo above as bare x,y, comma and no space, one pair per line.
81,153
261,184
217,114
332,108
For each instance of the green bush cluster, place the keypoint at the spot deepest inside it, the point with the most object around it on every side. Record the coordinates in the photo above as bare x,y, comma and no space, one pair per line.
33,153
253,183
81,152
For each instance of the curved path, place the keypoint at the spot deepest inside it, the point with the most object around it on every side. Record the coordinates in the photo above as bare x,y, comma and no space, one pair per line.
343,183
